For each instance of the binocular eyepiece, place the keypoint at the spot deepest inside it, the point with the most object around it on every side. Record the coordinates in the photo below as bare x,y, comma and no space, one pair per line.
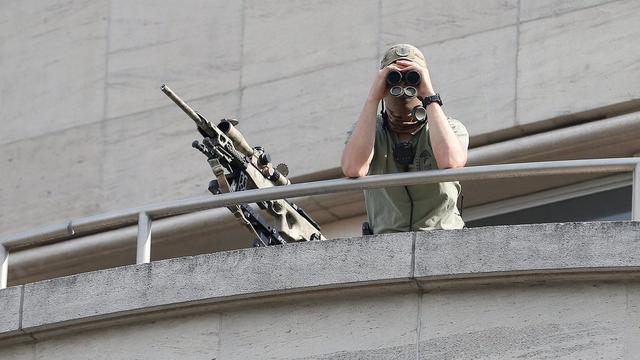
411,77
408,91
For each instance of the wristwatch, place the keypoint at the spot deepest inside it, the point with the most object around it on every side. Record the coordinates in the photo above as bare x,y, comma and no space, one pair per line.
431,99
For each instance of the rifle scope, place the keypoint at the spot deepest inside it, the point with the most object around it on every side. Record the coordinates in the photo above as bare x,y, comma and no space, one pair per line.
236,137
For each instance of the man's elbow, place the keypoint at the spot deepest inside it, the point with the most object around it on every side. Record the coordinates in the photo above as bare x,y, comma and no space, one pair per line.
353,171
453,162
457,164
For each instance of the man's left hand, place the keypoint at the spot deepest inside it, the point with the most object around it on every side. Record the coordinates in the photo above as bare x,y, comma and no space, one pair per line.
425,88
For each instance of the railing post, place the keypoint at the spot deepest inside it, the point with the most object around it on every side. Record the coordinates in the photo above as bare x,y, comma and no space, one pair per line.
4,266
143,253
635,198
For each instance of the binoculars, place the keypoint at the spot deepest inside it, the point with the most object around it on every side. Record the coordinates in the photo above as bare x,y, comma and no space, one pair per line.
404,86
411,78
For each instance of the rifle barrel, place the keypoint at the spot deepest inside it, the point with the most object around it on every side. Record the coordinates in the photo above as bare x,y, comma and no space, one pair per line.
181,104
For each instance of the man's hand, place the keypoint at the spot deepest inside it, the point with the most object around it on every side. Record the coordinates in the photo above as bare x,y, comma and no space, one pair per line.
448,150
425,88
379,87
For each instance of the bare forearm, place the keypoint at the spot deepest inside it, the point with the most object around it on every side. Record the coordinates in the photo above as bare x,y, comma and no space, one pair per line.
358,151
447,148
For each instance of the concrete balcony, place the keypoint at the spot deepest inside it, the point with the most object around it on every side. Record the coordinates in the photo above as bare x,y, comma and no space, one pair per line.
566,290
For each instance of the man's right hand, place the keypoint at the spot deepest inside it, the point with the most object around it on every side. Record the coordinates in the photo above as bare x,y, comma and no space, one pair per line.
358,151
379,87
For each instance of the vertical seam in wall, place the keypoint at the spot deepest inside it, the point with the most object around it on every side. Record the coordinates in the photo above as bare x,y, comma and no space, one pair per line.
413,256
419,323
515,98
220,324
21,307
20,313
105,100
419,308
627,354
379,40
243,5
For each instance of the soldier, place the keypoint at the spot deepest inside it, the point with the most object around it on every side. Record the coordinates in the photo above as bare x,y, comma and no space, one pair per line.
411,133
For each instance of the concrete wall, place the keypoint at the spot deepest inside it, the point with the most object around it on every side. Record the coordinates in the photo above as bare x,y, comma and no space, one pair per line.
85,129
563,291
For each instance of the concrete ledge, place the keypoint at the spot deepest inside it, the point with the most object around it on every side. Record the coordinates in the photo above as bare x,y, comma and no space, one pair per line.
522,249
471,258
216,277
10,310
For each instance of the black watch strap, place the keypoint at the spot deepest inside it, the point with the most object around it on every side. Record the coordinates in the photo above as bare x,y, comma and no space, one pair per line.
431,99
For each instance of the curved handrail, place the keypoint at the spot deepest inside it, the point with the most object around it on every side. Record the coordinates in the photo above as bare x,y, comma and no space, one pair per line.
145,214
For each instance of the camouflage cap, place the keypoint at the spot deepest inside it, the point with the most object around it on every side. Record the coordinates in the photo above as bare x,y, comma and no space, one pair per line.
403,52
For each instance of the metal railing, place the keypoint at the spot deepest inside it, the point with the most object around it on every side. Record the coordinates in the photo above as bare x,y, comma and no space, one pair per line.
145,215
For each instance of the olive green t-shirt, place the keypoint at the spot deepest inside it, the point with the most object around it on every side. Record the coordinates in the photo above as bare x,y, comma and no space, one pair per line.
434,205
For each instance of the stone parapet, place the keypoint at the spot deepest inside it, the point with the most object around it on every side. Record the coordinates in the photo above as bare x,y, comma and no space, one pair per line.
433,270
